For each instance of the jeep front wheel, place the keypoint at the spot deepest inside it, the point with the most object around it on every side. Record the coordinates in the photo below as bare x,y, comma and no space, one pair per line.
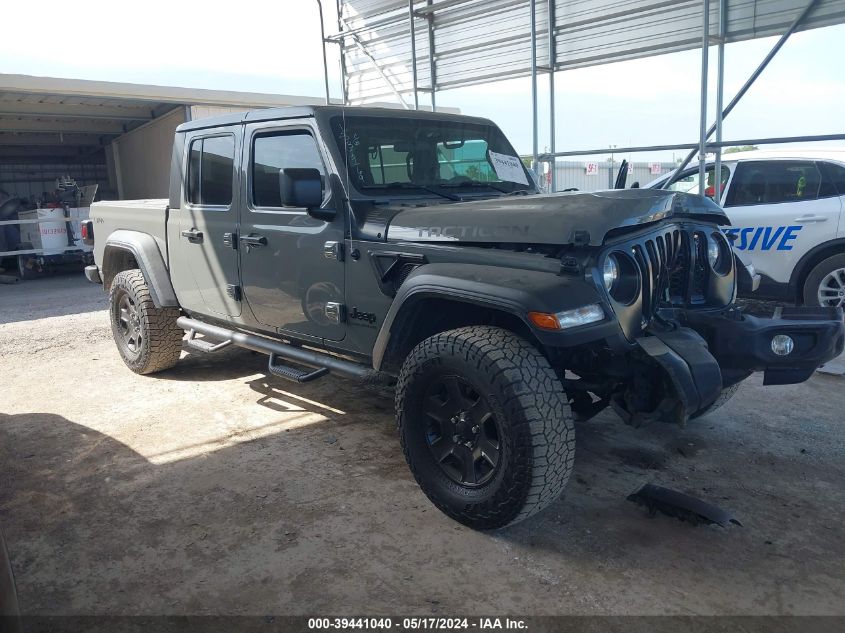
146,336
485,426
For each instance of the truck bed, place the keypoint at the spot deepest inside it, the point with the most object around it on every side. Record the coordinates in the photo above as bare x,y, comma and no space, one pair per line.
146,216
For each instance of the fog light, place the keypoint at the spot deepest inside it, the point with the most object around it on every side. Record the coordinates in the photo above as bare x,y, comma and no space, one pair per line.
782,344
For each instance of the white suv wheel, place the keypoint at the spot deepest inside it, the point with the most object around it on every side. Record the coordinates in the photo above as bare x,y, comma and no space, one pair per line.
832,288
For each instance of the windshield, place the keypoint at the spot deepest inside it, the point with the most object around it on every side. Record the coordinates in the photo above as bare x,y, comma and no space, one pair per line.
428,156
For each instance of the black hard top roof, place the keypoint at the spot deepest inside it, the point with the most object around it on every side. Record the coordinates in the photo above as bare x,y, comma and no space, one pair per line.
298,112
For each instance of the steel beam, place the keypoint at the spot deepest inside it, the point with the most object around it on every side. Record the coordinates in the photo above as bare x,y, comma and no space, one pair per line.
720,94
432,70
49,139
343,86
444,4
323,42
72,111
811,138
413,34
702,128
552,52
13,154
750,81
62,126
360,45
532,8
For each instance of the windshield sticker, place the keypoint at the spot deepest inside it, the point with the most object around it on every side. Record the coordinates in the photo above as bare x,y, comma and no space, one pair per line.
351,143
508,168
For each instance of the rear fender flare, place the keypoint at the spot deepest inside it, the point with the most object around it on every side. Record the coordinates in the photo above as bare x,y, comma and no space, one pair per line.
143,247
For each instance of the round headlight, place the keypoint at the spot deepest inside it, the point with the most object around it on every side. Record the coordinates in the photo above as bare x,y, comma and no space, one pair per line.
611,272
714,251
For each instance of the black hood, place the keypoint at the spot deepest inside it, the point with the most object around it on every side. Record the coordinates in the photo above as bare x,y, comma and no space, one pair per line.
561,218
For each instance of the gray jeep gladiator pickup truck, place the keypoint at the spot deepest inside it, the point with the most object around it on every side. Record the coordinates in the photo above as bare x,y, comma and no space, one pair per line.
413,250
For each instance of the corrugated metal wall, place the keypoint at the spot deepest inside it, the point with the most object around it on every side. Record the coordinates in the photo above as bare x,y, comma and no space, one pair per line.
477,41
30,180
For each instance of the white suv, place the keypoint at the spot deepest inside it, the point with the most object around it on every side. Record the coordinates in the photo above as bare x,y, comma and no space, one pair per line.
785,208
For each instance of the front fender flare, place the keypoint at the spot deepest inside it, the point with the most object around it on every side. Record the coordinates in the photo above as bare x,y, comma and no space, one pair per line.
512,290
150,260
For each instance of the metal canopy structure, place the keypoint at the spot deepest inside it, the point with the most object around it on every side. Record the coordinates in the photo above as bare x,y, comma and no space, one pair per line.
50,118
403,49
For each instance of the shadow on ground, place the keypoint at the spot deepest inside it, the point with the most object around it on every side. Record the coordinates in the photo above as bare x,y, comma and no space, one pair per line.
55,295
325,516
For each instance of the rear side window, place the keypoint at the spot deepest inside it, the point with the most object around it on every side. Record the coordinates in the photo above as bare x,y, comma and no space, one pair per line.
772,182
276,151
211,163
833,179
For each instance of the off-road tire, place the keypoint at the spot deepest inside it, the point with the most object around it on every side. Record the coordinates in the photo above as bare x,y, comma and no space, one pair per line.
537,438
819,272
160,339
727,394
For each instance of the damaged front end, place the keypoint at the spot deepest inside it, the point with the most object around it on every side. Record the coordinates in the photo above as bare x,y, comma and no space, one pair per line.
685,342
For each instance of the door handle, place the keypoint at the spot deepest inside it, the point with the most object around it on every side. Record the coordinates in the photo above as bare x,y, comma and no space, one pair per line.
193,235
254,240
811,218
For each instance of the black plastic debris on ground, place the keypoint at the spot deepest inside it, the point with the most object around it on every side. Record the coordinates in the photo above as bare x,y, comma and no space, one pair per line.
682,506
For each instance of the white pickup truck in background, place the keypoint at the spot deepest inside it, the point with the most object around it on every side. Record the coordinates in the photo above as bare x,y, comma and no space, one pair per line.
785,208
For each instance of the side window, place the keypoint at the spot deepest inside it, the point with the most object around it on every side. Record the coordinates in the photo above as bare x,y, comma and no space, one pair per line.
833,180
773,182
275,151
211,163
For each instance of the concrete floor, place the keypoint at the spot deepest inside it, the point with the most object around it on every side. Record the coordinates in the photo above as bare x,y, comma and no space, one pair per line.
212,489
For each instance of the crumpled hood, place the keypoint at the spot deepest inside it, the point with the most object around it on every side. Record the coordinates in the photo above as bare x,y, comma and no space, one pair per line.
560,218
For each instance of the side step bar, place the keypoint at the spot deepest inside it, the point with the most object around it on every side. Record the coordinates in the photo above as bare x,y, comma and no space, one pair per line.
273,348
291,373
204,346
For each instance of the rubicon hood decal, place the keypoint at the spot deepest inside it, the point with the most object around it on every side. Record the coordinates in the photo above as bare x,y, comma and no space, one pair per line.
548,219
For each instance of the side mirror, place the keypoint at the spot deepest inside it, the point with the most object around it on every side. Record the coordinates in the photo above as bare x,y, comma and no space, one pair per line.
303,188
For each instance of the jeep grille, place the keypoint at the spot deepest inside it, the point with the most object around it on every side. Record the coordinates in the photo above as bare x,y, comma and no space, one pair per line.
673,267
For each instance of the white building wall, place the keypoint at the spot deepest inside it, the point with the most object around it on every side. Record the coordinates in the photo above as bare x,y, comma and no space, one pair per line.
142,160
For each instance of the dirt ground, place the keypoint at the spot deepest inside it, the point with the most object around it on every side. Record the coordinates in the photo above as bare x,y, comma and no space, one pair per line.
213,489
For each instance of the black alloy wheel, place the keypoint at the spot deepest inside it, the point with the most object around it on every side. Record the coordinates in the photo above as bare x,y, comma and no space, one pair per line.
462,433
129,322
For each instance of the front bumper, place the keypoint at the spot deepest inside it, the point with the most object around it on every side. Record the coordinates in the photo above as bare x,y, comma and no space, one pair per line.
703,353
742,344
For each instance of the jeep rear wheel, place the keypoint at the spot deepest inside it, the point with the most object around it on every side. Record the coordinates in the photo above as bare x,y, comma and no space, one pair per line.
485,426
146,336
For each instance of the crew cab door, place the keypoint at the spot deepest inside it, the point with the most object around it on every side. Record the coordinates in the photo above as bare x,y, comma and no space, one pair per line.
779,211
207,222
292,270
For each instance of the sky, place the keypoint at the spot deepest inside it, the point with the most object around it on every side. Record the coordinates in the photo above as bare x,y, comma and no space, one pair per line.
274,46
